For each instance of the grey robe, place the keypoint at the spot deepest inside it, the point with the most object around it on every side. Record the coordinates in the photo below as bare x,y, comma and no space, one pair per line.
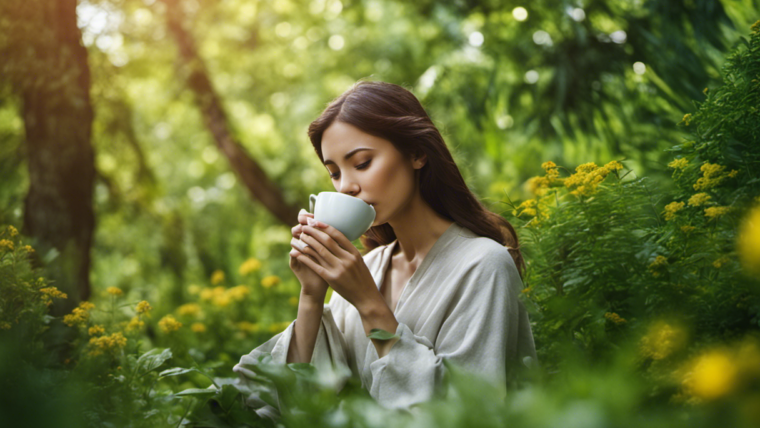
460,304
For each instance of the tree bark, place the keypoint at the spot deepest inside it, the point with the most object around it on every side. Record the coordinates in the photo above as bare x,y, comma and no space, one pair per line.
58,208
246,168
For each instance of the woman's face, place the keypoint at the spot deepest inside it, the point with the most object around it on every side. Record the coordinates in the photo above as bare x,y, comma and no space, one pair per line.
380,175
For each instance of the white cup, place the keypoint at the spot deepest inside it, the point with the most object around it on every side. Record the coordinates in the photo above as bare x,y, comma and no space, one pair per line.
350,215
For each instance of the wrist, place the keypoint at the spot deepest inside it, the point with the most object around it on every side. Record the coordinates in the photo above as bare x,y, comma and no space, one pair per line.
311,300
373,308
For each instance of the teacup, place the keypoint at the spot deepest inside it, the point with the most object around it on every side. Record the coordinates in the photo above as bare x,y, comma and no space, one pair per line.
350,215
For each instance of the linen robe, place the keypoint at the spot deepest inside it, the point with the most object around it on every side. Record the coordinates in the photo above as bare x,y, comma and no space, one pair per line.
460,304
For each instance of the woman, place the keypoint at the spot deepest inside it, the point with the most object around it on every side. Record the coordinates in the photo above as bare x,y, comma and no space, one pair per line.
435,271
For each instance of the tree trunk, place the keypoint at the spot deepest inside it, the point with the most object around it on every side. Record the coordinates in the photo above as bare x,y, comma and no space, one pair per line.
58,118
246,168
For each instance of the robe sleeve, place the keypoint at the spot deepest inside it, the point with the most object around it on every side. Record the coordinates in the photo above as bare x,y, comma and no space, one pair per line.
479,331
329,357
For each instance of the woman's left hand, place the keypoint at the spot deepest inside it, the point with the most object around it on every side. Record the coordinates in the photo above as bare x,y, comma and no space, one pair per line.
340,264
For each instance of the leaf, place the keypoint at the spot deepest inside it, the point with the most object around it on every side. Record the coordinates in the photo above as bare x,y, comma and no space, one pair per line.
152,359
380,334
196,392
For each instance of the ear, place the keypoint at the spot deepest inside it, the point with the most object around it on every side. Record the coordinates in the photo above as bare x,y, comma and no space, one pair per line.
419,160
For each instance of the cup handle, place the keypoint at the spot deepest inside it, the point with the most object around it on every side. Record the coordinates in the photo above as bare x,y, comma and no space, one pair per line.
312,202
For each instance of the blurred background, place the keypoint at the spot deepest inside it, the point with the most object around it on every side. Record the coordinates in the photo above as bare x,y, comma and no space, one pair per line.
156,151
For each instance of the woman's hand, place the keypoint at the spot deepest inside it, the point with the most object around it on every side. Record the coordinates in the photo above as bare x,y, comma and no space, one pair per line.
340,264
312,285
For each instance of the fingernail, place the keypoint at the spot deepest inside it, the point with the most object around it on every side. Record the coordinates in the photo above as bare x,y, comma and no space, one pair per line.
310,221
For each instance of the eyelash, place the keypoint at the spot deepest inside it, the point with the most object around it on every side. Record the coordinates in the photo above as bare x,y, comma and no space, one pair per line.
362,166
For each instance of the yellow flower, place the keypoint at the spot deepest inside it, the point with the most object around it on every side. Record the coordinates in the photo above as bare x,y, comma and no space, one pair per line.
135,324
615,318
198,327
293,301
755,27
189,309
221,300
249,327
748,241
238,293
613,166
248,266
12,231
588,176
687,229
661,340
169,324
528,211
671,209
4,243
217,277
114,291
686,119
733,173
194,289
699,199
143,307
713,374
4,325
714,212
721,261
79,315
112,343
270,281
50,293
548,165
28,248
712,175
96,330
679,163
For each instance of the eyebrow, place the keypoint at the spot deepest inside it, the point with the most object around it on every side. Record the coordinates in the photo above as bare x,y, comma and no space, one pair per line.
348,155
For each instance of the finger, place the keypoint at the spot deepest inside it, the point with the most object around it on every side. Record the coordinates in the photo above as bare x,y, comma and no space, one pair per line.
323,255
296,231
303,215
339,243
319,270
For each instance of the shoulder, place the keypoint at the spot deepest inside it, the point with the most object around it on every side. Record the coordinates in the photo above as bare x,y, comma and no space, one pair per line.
481,250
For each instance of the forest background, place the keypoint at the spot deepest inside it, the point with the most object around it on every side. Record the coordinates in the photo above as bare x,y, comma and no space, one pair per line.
153,158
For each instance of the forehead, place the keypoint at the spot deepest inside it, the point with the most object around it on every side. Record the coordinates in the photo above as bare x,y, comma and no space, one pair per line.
340,138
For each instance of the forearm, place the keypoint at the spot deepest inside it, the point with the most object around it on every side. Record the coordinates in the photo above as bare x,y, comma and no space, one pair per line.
307,326
379,315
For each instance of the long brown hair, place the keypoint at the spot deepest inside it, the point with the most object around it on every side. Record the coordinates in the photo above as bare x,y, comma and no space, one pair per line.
393,113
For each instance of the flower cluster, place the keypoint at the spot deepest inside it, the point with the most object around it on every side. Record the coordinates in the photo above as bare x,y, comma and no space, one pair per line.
106,344
672,208
679,164
698,199
540,185
615,318
661,340
270,281
190,309
143,307
715,212
79,315
50,293
719,371
588,176
248,266
748,241
713,175
169,324
217,277
114,291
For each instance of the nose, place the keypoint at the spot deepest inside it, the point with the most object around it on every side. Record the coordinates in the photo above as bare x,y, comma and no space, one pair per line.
349,187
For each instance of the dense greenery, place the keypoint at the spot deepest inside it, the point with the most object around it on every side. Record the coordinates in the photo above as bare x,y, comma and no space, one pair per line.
639,224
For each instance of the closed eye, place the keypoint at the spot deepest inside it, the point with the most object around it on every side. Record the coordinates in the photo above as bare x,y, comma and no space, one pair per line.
361,166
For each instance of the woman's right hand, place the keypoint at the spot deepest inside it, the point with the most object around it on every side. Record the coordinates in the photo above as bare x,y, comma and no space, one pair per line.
312,285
